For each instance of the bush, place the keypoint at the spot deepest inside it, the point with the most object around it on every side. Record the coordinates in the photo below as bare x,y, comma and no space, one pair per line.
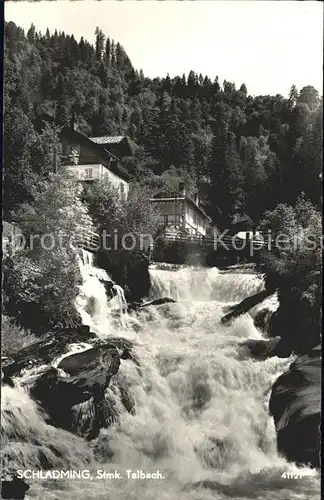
302,227
112,212
41,290
41,283
142,217
297,270
105,205
13,337
118,216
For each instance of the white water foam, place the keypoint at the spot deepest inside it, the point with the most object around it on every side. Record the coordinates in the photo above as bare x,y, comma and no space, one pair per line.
92,303
201,406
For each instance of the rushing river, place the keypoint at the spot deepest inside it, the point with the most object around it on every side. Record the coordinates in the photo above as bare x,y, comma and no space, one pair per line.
201,402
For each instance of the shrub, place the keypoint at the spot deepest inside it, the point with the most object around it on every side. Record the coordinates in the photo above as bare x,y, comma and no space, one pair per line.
118,216
41,284
297,270
13,337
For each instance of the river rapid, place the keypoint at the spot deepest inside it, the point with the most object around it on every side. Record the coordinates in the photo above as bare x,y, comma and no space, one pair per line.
201,402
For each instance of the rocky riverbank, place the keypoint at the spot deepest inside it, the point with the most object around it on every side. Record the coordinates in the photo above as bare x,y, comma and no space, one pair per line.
129,269
295,404
70,386
296,395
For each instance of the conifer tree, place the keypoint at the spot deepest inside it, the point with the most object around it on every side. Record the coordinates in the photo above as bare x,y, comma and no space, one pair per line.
119,56
113,54
108,51
99,43
31,33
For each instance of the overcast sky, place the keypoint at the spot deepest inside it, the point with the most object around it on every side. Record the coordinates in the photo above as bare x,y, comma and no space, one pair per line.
269,45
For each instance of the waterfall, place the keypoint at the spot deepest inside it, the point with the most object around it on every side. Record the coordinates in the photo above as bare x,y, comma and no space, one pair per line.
92,304
201,403
201,284
121,299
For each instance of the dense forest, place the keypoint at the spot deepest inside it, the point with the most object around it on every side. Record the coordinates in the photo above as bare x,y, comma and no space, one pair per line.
243,154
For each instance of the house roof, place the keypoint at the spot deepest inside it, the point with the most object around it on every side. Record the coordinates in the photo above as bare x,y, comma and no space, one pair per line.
108,139
121,143
70,132
115,166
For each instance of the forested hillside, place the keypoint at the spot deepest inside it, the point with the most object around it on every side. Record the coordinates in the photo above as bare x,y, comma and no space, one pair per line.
245,154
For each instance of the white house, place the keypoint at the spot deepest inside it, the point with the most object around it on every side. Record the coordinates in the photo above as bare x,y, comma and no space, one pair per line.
180,211
91,159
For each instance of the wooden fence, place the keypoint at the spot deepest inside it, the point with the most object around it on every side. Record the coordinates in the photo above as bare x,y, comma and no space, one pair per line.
89,240
232,241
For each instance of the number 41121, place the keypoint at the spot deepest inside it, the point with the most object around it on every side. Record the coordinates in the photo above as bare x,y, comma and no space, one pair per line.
291,475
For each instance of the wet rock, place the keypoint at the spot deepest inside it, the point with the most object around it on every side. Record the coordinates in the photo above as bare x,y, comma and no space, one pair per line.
271,283
109,287
128,400
125,348
86,362
298,333
46,349
7,381
5,363
121,343
261,349
89,375
14,489
136,306
133,306
130,269
138,276
295,404
121,386
244,306
158,302
262,319
298,319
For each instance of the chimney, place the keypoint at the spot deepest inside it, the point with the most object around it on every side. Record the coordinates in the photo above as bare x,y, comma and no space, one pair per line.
197,199
182,189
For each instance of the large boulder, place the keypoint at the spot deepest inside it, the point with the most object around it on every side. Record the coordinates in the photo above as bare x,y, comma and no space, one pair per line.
158,302
244,306
92,362
43,351
298,319
130,269
14,488
125,348
79,378
295,404
261,348
296,326
261,320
